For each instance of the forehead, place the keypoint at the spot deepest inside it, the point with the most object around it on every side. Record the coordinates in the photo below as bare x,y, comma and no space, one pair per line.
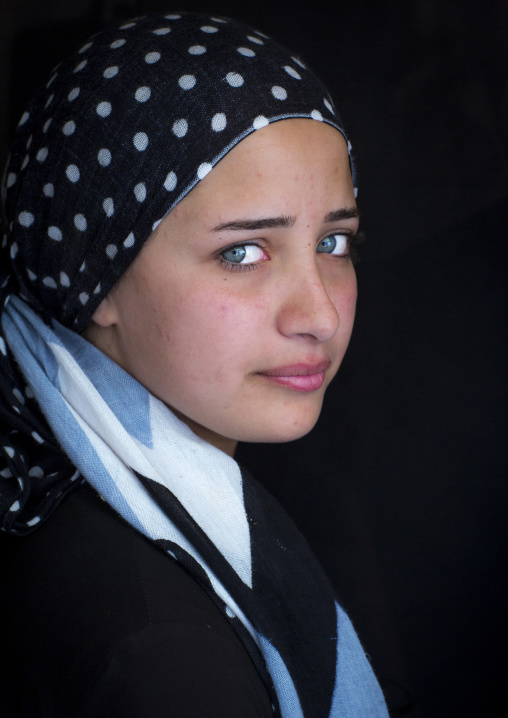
273,165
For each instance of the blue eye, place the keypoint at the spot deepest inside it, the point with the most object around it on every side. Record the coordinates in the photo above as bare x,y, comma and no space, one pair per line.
234,255
243,254
336,244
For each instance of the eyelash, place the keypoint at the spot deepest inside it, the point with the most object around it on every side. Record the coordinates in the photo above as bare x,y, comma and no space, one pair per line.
353,241
234,266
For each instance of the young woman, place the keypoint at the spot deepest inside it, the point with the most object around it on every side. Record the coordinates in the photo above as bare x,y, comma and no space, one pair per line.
181,208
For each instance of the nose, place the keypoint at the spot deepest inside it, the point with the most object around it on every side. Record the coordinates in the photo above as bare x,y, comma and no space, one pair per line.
307,308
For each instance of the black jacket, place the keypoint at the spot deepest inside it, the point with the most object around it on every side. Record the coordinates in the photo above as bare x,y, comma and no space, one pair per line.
98,622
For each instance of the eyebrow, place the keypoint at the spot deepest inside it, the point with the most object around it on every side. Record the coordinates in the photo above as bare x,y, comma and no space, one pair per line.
283,221
343,213
266,222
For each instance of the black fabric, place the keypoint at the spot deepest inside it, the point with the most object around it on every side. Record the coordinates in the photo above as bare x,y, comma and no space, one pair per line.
103,623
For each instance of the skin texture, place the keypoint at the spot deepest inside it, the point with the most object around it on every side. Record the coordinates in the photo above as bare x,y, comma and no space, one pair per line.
206,337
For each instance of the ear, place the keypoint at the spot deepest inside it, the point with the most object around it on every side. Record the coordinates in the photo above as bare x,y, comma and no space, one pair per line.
105,315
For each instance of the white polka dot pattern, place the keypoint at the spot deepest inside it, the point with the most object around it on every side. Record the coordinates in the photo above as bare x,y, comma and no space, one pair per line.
140,192
143,94
180,128
72,173
170,182
140,141
108,206
279,92
80,222
55,234
26,219
299,62
234,79
104,109
104,157
219,122
81,65
204,169
152,57
110,72
246,51
69,128
187,82
291,71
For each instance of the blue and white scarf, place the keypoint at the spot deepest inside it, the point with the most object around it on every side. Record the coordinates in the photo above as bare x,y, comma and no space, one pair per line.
196,504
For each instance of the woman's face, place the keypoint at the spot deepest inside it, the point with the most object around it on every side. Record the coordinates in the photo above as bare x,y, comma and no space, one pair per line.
238,310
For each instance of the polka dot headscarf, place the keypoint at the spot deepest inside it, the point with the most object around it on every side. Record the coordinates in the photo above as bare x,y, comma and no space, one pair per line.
121,132
112,141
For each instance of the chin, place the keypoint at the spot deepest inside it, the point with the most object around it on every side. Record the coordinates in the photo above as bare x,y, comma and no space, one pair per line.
288,428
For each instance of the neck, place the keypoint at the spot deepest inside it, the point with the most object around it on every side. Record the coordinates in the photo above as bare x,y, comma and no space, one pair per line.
225,444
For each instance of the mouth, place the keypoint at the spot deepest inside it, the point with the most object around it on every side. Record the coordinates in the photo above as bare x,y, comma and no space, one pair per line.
299,377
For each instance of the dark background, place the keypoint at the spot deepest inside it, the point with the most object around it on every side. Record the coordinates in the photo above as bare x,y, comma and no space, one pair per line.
401,489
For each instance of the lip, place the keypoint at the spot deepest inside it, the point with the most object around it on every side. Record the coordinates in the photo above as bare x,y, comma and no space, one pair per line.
299,377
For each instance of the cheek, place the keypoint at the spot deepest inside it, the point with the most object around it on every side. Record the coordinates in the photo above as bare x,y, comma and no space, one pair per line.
211,330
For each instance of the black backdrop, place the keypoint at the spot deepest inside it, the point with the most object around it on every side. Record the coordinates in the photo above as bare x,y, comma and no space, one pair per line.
401,489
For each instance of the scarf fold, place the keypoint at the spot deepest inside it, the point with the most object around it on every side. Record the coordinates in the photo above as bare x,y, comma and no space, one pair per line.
198,506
